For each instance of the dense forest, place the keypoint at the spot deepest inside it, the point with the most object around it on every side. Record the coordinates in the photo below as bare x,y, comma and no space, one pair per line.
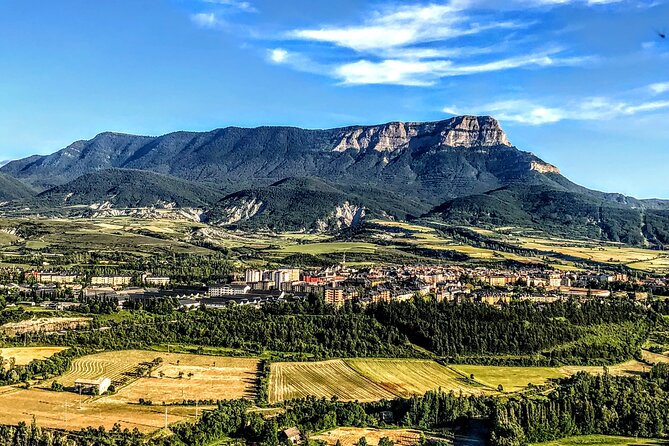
520,333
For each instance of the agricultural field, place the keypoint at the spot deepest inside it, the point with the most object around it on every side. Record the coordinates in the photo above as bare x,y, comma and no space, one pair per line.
67,410
601,440
351,435
25,355
179,377
375,379
290,380
406,377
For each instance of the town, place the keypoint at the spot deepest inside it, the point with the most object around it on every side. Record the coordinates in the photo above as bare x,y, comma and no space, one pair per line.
337,285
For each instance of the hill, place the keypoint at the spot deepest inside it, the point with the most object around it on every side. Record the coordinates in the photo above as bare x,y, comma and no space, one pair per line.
12,189
560,212
296,204
123,188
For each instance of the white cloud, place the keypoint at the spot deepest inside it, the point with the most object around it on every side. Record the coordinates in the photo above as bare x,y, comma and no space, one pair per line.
205,19
278,55
531,113
241,5
427,72
402,26
659,87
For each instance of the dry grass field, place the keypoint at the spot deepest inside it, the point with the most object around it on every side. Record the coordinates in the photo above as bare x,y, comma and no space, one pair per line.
365,379
61,410
202,377
44,325
290,380
350,436
24,355
406,377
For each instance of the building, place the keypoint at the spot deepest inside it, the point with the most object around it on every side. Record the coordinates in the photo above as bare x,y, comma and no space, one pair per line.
228,290
94,386
114,281
148,279
291,435
334,296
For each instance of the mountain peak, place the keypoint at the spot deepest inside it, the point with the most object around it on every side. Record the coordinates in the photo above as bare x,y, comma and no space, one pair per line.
459,131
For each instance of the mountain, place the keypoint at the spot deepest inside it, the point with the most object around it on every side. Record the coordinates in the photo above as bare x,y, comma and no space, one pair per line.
461,170
432,161
123,188
12,189
295,204
561,212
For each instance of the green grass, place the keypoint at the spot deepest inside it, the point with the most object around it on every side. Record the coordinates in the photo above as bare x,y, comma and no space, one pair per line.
602,440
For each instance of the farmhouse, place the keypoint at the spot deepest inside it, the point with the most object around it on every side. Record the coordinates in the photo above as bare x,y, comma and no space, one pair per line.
292,435
94,386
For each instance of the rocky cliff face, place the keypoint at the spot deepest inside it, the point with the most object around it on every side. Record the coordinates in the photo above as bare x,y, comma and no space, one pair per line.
464,131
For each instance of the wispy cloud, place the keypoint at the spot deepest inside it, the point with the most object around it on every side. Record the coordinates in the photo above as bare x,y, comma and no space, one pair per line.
532,113
241,5
205,19
418,44
425,73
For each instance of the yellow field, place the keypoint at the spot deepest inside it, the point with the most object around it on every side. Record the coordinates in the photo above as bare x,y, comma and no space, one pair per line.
203,377
25,355
290,380
350,436
61,410
365,379
513,379
406,377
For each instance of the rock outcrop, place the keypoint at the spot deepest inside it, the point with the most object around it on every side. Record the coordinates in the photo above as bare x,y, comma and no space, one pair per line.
464,131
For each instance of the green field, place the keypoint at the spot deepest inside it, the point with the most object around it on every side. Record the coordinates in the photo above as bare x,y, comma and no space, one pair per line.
601,440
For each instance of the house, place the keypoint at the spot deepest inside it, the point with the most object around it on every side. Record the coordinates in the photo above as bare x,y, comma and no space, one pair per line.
149,279
94,386
291,435
114,281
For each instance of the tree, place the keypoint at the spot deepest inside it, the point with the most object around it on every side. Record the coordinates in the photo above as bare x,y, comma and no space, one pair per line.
362,442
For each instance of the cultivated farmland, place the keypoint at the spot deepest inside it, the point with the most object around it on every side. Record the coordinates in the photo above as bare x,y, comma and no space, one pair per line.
179,377
290,380
351,435
24,355
365,379
406,377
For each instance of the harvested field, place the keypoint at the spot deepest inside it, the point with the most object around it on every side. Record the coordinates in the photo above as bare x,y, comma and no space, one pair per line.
45,325
513,379
350,436
290,380
202,378
406,377
25,355
365,379
61,410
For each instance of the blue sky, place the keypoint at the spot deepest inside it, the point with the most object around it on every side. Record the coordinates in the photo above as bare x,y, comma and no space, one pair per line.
583,84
